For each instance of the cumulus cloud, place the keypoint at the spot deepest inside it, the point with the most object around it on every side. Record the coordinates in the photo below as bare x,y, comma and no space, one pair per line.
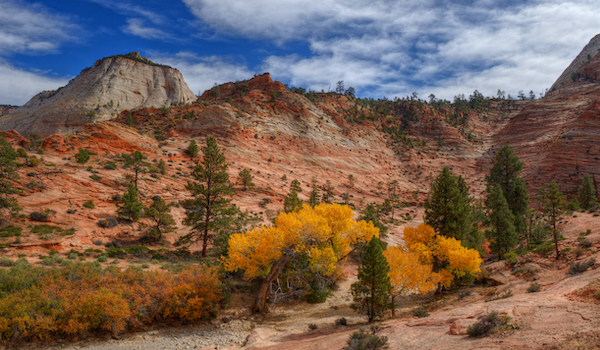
31,29
19,86
391,48
202,72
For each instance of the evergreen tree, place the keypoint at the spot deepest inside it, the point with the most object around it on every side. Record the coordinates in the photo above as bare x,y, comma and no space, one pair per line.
192,149
315,194
245,179
502,220
505,172
131,205
160,212
291,202
587,194
448,208
372,291
328,194
7,175
82,156
553,206
212,193
393,198
135,160
162,167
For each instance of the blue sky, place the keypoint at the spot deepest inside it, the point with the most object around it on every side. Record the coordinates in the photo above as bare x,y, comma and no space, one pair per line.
379,47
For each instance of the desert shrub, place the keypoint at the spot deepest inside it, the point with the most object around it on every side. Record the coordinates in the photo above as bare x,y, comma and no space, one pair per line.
420,312
89,204
312,326
102,258
115,252
108,223
10,231
110,165
43,215
486,324
40,303
582,266
137,250
72,256
341,322
506,294
4,261
33,162
511,258
534,287
113,244
364,340
585,244
95,177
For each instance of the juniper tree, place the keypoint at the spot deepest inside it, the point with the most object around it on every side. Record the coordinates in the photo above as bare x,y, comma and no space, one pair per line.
160,212
192,149
553,205
503,234
7,175
587,194
245,179
371,293
82,156
212,194
291,202
130,204
506,173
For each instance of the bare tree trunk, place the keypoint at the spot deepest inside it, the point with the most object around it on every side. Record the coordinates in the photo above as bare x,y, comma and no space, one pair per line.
260,301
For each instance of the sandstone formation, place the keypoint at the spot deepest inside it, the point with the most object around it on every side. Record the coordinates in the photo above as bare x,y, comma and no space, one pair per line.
99,93
558,136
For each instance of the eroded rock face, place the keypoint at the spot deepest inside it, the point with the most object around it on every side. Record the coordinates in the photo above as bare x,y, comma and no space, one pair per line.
99,93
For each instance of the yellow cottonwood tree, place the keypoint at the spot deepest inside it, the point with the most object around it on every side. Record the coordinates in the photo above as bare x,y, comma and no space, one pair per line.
325,233
408,275
427,261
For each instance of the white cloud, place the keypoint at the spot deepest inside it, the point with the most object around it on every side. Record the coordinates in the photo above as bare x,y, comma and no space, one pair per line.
31,29
201,73
391,48
20,86
136,27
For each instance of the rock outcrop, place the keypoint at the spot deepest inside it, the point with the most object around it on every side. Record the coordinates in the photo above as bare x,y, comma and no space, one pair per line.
99,93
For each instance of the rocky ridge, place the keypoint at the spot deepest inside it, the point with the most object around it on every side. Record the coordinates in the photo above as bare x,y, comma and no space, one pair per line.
99,93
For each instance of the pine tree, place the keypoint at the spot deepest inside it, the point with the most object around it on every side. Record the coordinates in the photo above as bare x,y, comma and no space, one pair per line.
505,172
448,209
393,197
315,194
291,202
135,160
587,194
160,212
371,213
131,205
192,149
328,194
245,179
553,205
372,291
212,193
501,218
7,175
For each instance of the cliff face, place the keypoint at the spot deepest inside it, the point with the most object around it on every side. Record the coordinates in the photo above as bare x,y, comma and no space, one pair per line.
558,137
99,93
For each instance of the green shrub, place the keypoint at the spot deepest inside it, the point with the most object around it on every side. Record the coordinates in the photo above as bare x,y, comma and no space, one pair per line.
487,323
581,266
420,312
341,322
6,262
110,166
363,340
506,294
10,231
108,223
312,326
585,244
534,287
102,258
511,257
90,204
95,177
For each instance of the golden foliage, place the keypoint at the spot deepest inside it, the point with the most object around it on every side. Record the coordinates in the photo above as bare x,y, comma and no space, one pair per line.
82,297
326,232
428,260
